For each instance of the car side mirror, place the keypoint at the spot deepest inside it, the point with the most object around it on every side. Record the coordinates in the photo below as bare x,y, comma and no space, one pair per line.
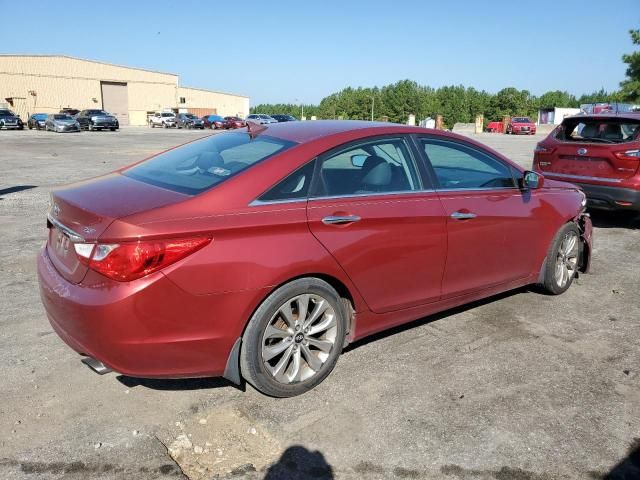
531,180
358,160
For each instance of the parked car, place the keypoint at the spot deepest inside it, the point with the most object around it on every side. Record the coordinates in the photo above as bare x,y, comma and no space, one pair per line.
262,253
284,118
97,120
9,120
600,153
37,121
163,119
521,126
261,118
61,122
233,123
70,111
188,120
213,121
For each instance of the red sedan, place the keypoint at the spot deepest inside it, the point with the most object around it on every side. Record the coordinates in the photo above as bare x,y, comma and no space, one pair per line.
521,126
233,123
262,253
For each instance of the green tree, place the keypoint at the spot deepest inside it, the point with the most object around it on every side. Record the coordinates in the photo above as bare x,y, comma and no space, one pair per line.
557,98
631,86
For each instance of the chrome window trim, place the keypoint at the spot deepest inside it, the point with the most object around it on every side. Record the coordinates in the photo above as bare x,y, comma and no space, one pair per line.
260,203
375,194
580,177
73,236
477,189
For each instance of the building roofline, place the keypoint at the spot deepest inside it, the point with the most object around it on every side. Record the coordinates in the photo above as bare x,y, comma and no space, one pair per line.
213,91
87,60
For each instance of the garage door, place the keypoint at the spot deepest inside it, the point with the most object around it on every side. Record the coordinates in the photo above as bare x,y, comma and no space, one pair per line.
115,100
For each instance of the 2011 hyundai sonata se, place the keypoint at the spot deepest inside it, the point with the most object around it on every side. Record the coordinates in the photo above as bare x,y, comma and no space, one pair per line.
260,254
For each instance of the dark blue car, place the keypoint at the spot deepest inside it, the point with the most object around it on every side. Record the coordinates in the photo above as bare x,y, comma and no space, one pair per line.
37,121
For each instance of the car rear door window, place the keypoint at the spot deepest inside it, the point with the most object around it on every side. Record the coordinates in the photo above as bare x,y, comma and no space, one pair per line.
458,166
375,167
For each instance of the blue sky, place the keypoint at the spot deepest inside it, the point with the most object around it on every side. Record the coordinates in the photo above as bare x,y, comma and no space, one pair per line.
280,51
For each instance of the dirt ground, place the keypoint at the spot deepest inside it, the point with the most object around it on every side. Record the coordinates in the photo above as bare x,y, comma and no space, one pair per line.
520,386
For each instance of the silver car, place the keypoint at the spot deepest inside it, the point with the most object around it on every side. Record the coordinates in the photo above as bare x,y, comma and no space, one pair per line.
61,122
261,118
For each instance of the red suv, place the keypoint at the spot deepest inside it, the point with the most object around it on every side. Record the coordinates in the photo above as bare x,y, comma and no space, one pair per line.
600,153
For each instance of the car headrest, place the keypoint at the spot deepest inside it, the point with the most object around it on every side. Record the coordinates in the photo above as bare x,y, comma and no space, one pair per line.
590,130
206,160
376,171
612,132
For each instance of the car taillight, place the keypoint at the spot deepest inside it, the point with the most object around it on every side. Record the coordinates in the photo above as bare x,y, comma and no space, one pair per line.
128,261
628,155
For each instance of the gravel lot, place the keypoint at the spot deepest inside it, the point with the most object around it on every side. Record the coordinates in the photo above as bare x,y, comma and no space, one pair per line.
521,386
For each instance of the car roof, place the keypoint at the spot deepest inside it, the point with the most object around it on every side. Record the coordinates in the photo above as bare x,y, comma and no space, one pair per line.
301,132
604,115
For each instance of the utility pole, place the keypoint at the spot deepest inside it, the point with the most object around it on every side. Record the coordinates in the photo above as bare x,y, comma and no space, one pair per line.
373,101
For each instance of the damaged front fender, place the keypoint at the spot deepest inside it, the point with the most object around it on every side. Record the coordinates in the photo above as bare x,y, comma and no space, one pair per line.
586,234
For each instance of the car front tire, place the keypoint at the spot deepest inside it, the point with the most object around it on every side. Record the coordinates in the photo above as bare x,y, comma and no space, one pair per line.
563,260
293,340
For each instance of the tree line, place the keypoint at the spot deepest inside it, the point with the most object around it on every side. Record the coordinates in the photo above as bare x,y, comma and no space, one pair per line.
456,103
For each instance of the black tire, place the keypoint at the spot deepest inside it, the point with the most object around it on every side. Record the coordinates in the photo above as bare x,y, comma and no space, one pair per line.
253,368
549,283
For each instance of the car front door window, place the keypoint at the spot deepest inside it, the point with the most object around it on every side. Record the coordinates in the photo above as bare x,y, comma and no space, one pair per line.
458,166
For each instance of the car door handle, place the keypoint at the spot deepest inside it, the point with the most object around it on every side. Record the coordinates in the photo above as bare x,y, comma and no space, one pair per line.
463,215
340,219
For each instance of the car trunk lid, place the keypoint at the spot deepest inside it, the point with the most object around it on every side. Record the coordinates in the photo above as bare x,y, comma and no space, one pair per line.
599,148
603,162
81,212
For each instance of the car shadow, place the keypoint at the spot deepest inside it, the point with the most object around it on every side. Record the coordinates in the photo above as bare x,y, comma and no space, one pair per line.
15,188
298,463
629,467
607,219
437,316
177,384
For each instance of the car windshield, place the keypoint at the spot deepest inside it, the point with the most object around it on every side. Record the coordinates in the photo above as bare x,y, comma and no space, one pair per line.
215,118
6,112
599,130
190,115
40,116
96,112
167,114
521,120
62,116
203,164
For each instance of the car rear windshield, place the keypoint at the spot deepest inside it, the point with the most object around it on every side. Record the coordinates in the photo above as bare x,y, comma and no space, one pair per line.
203,164
599,130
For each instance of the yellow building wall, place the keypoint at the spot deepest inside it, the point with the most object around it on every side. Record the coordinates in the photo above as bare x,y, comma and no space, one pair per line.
40,83
225,104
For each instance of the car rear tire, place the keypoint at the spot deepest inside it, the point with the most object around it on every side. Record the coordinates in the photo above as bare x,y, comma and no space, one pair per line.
563,260
294,338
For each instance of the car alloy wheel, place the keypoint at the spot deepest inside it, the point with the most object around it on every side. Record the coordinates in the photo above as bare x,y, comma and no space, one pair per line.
299,338
294,338
567,259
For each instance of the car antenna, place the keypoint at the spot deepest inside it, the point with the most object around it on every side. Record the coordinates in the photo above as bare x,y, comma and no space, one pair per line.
255,128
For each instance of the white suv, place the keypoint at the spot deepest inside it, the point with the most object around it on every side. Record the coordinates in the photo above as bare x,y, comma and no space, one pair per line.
162,119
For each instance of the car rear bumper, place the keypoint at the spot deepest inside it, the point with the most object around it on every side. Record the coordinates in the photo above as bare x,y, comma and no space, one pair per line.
603,197
146,328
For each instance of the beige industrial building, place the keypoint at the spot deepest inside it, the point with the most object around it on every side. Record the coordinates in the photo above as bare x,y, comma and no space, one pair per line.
47,83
